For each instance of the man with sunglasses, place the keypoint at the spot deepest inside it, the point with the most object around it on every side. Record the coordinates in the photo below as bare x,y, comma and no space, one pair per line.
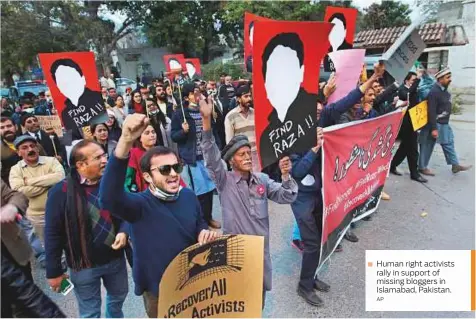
165,218
243,193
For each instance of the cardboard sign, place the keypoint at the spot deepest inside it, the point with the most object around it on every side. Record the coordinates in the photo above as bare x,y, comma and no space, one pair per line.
355,168
174,64
419,115
342,34
51,122
73,81
193,68
221,279
249,34
401,56
286,60
348,66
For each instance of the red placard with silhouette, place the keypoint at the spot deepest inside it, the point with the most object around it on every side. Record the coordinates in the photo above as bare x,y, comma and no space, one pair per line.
193,68
342,35
174,64
73,81
249,24
286,58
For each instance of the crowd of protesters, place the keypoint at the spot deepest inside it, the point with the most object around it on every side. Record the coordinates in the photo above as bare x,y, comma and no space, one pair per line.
141,187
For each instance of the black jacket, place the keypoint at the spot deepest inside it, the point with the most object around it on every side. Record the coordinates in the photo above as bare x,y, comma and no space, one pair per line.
94,111
25,293
300,137
410,94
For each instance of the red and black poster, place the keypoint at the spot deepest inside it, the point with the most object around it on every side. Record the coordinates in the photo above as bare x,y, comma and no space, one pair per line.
342,34
286,58
194,68
73,81
249,33
355,167
174,64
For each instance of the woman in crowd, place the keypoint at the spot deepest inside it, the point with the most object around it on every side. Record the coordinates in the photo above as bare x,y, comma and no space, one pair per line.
120,112
100,133
170,95
161,124
134,180
113,128
137,105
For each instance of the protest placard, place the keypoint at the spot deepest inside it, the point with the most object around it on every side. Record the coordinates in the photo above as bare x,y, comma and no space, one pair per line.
401,56
73,81
342,34
221,279
286,60
51,122
348,68
419,115
355,167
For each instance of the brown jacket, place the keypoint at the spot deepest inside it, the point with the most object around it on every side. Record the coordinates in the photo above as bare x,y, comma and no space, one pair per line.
12,236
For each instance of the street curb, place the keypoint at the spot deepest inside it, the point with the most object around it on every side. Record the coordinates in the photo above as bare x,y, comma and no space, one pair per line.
462,121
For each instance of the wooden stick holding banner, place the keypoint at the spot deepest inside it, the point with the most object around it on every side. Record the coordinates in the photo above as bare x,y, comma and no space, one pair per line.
53,142
181,104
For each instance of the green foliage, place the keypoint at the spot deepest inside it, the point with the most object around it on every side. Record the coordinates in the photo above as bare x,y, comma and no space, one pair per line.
457,104
32,27
385,15
212,71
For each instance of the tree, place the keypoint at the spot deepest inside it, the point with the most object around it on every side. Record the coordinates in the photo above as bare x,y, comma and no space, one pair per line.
32,27
385,15
428,10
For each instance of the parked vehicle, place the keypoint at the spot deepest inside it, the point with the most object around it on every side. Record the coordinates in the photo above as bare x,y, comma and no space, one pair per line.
22,88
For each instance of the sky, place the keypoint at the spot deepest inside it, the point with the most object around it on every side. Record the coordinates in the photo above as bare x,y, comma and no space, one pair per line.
361,4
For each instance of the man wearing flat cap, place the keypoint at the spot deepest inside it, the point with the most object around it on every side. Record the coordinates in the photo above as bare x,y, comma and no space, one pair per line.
438,128
33,176
243,193
187,133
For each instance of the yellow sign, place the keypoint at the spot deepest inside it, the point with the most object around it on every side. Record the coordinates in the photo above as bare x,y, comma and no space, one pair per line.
51,122
221,279
419,115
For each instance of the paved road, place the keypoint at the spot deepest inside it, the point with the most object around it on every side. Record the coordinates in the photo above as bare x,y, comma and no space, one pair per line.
450,224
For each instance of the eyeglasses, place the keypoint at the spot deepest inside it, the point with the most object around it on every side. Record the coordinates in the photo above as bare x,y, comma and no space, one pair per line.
166,169
103,155
31,121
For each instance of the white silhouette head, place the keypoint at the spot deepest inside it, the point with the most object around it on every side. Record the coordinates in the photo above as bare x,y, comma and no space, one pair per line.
283,71
251,32
190,69
70,82
174,64
338,32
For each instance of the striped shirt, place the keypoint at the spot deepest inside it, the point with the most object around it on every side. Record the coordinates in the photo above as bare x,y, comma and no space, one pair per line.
237,124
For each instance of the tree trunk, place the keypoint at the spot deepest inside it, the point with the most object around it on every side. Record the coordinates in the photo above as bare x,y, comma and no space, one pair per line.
206,52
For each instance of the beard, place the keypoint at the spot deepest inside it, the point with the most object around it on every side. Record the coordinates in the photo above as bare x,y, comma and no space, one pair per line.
9,137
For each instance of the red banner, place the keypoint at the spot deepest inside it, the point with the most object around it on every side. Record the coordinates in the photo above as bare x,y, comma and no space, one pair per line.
249,34
342,34
355,167
73,81
286,60
193,67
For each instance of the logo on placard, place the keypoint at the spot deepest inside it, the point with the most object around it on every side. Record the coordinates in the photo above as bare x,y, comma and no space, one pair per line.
221,256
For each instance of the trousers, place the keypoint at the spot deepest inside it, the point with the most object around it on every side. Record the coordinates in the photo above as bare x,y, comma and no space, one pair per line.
307,210
87,288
